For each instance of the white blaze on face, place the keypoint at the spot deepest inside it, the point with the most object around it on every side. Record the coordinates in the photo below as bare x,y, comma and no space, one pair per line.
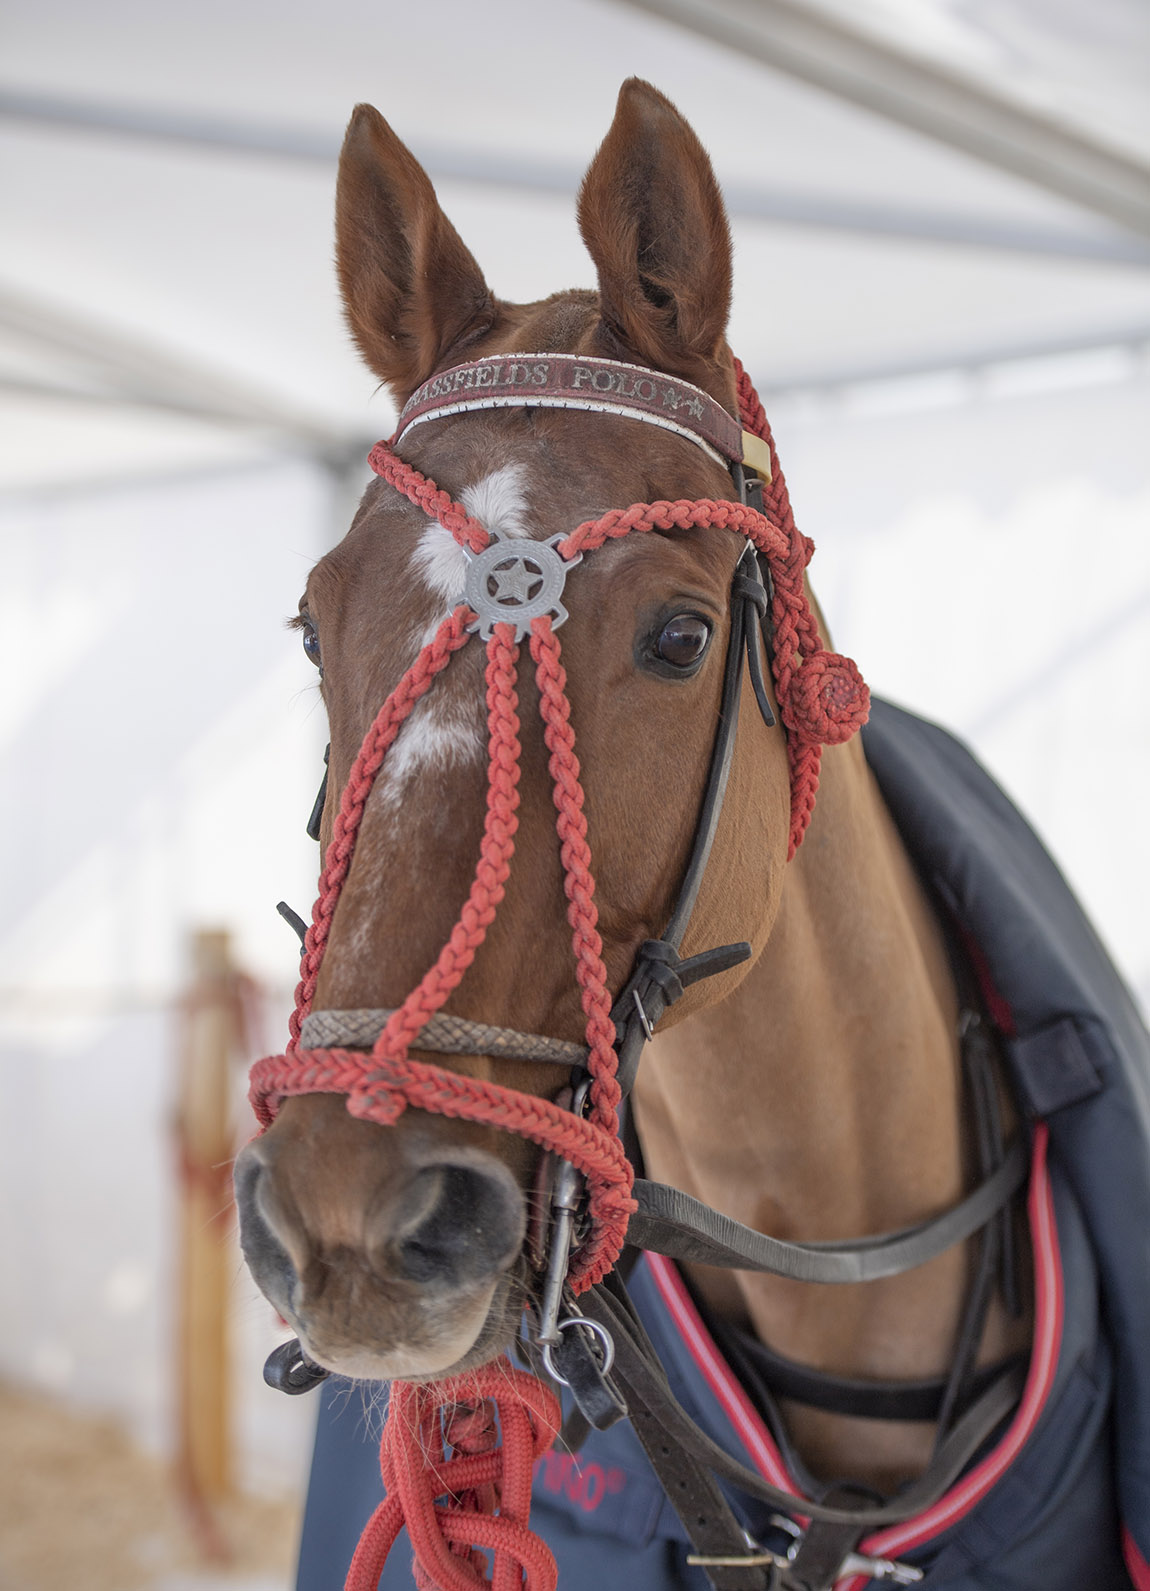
499,504
445,728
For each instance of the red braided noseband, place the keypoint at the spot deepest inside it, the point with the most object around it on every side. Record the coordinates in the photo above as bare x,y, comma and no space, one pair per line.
823,701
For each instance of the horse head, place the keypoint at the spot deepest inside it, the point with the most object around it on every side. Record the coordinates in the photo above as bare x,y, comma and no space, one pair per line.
407,1250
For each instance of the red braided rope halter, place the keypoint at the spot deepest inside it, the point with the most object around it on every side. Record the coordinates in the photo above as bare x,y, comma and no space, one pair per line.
823,701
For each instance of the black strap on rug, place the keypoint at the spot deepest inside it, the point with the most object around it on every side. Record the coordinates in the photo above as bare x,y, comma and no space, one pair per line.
761,1371
689,1464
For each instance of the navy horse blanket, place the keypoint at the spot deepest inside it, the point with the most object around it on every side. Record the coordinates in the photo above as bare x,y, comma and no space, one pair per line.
1060,1498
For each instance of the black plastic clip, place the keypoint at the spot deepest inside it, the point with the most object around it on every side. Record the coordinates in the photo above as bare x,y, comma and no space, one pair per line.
659,978
749,485
316,818
293,920
288,1369
748,588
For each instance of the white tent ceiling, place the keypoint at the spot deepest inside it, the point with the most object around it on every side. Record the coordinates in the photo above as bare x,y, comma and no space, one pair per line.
166,292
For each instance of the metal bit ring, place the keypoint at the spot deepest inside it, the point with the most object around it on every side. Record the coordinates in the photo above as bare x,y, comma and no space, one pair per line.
605,1339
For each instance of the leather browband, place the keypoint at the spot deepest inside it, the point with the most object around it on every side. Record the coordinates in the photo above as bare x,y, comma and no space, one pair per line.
568,381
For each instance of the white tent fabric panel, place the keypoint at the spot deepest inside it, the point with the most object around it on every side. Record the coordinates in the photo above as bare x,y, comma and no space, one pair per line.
221,257
987,563
162,751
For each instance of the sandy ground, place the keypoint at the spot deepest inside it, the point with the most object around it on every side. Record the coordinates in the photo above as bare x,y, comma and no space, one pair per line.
84,1510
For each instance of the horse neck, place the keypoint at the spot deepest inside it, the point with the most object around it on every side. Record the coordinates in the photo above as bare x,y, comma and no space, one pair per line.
823,1099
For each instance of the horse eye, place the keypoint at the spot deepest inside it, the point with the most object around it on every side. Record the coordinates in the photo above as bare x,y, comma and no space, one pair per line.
683,640
311,644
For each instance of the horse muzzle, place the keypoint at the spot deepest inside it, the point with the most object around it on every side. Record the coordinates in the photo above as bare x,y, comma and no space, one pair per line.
412,1285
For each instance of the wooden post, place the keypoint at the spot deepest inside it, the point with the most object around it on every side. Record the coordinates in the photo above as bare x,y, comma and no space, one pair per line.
211,1043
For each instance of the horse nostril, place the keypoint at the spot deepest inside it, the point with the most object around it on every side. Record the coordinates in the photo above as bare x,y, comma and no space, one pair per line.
471,1229
246,1174
266,1256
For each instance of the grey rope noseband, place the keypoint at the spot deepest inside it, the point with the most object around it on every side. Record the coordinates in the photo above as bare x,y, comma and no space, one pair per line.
444,1033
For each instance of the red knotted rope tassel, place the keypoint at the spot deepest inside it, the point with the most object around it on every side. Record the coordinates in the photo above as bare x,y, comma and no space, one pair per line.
440,1498
822,700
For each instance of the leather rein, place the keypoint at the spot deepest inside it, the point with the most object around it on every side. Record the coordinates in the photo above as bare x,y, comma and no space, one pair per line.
596,1346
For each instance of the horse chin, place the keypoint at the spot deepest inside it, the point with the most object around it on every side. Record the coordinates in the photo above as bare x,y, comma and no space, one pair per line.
477,1334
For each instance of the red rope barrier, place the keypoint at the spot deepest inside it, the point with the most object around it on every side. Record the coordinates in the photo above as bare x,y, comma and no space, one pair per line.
822,701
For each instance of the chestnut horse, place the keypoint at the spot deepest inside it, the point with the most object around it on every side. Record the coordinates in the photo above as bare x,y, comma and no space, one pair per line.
815,1090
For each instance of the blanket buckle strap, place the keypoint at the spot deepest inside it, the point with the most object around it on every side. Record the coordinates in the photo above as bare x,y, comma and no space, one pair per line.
827,1550
829,1540
815,1559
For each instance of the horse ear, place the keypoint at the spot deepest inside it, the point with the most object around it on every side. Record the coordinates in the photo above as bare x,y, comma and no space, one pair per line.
653,221
411,289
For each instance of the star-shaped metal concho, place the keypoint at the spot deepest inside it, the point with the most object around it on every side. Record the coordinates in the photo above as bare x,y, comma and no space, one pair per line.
515,581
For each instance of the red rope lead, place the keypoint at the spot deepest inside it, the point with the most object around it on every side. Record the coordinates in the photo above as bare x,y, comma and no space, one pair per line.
822,700
459,1413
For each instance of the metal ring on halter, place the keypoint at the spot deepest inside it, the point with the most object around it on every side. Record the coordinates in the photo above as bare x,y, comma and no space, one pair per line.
606,1342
